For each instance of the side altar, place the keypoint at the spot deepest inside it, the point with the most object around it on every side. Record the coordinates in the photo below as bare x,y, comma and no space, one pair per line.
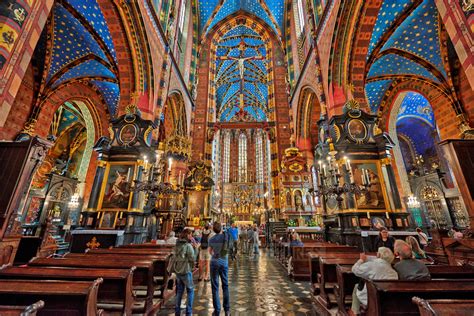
355,178
124,158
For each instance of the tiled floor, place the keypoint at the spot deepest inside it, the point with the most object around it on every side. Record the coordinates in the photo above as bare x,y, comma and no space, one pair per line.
257,287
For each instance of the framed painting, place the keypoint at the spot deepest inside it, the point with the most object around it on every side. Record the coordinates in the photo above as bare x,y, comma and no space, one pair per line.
374,198
357,130
108,220
114,189
34,210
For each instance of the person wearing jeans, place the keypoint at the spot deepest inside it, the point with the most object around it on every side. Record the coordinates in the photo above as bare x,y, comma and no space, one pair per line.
182,266
219,247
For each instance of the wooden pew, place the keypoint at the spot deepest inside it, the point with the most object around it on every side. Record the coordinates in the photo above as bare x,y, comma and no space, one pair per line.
395,297
147,245
126,251
313,261
444,307
346,281
450,272
164,283
30,310
142,276
60,297
115,293
327,278
301,256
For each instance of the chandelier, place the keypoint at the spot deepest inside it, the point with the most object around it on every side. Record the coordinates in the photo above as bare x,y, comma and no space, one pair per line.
329,179
413,202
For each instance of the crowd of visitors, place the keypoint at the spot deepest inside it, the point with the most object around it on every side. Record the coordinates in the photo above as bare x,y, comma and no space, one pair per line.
212,248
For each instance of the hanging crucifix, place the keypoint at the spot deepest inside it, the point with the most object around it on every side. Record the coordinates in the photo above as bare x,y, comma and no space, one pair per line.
241,66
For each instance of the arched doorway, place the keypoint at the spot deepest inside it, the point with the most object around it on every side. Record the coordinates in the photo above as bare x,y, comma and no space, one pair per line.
421,165
58,185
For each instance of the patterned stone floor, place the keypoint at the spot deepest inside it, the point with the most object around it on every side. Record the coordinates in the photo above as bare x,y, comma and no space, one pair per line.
257,287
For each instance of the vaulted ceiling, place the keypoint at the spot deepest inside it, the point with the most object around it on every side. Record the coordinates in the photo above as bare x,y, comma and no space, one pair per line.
81,50
212,12
405,43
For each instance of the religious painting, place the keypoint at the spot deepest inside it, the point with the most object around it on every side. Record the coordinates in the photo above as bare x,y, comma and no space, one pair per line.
377,222
373,198
128,134
34,210
108,220
115,194
357,130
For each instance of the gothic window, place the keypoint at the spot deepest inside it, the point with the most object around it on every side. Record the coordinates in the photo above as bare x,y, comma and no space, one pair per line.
242,158
182,15
299,16
259,158
226,159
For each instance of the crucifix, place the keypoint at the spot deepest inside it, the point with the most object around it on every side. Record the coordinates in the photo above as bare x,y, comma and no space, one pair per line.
241,65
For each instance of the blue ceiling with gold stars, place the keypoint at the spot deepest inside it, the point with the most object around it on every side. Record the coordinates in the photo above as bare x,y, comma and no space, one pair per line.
412,49
241,51
212,12
415,120
82,49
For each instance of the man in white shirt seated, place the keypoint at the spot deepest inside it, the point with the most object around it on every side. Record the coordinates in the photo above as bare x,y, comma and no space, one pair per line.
171,238
372,268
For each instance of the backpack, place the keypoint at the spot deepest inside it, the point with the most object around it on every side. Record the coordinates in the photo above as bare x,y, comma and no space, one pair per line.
205,241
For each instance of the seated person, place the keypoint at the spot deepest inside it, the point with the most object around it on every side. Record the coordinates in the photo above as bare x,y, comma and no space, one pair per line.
415,248
295,240
372,268
409,268
383,240
171,239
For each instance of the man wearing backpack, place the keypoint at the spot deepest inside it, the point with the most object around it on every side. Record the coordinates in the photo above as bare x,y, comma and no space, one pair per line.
219,248
182,266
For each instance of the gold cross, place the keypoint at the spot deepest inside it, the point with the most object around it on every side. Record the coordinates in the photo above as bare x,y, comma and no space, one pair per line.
93,244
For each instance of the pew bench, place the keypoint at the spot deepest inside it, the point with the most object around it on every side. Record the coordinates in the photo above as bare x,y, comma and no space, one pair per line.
390,298
30,310
444,307
301,266
115,293
142,276
60,297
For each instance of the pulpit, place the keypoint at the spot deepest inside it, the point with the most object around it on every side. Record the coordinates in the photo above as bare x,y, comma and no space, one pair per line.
19,161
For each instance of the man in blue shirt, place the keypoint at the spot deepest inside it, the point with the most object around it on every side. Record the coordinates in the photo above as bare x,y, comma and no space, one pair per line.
234,234
219,246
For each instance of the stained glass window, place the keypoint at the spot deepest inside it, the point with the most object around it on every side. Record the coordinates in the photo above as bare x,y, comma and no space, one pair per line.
182,15
242,158
299,16
259,158
226,164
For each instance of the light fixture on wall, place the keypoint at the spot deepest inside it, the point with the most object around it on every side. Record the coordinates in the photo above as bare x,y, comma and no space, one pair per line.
413,202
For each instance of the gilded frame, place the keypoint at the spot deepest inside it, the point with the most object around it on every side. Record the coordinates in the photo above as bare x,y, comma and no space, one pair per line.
105,183
378,167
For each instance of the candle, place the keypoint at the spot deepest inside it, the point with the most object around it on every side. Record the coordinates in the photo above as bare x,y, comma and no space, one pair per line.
129,172
170,162
179,177
363,176
386,215
368,215
324,170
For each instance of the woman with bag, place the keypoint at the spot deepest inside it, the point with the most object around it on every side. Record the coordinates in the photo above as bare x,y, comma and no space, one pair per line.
182,265
204,256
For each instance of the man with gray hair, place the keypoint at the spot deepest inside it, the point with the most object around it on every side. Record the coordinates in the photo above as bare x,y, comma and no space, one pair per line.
409,268
372,268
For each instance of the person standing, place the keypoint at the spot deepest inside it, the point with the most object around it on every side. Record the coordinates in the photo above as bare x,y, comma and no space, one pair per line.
383,240
234,233
183,267
255,239
204,256
243,240
219,247
250,238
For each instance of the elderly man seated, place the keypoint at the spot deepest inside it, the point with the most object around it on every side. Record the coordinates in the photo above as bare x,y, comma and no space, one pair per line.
372,268
409,268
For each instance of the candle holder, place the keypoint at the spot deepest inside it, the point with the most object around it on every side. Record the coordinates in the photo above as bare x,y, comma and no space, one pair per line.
329,178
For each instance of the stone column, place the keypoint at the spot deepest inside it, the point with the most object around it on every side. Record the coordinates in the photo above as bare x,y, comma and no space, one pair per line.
96,187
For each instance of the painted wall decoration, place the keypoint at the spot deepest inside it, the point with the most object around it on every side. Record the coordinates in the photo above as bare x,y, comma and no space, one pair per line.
374,198
115,195
13,15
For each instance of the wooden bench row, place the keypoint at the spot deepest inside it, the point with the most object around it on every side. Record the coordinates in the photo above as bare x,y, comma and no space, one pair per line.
125,280
335,281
